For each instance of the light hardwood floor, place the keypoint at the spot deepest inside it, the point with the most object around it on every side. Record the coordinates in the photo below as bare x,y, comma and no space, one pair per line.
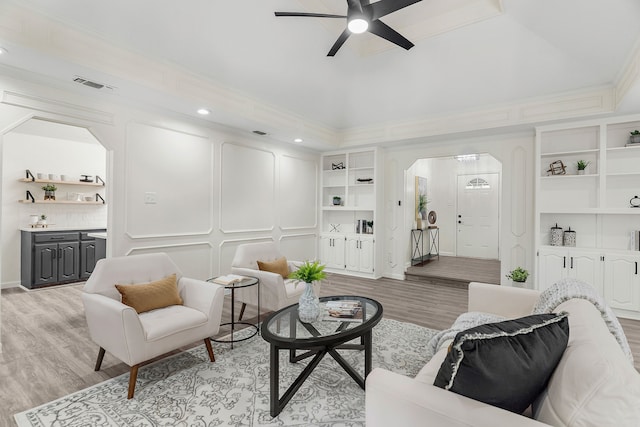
47,352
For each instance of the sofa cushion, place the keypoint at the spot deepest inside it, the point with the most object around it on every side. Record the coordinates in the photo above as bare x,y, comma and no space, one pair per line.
594,383
278,266
149,296
505,364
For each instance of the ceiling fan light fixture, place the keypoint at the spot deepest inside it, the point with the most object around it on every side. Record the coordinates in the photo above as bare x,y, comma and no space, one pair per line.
358,25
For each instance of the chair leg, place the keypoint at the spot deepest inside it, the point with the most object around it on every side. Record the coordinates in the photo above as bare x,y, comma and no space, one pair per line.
133,375
99,361
244,305
207,343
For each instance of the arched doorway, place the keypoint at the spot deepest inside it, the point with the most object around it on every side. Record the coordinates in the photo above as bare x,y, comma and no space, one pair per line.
53,151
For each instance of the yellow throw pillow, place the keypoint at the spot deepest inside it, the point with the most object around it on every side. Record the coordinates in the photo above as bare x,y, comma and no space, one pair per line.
149,296
278,266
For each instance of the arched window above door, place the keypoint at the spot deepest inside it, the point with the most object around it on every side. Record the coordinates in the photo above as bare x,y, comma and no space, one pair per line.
478,184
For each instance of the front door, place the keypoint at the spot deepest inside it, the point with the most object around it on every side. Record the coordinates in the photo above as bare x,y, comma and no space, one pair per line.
478,216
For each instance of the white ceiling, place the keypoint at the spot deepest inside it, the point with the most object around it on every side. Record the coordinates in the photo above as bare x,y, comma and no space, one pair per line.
468,54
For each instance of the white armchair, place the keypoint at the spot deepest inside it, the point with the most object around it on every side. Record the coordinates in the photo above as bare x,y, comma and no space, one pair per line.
136,338
275,291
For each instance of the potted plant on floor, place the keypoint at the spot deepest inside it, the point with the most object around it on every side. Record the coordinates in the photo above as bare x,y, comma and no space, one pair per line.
518,276
49,191
309,304
582,166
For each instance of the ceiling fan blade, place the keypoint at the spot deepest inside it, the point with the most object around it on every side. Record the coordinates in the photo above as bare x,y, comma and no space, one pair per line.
312,15
385,7
338,44
381,29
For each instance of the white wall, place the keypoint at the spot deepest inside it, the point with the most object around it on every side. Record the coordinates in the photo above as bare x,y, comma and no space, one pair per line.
45,155
214,188
514,152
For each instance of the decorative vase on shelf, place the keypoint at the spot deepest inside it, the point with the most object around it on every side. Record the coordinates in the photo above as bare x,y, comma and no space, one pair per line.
580,171
517,284
33,219
309,305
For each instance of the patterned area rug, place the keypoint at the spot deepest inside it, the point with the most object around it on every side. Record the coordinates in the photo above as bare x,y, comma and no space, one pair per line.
188,390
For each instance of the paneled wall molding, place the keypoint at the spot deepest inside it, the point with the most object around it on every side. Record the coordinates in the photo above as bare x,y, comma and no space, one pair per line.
165,246
247,200
293,195
150,153
59,108
297,236
561,106
518,192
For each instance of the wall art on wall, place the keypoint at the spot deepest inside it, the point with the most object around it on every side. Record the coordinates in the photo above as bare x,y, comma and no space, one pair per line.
421,200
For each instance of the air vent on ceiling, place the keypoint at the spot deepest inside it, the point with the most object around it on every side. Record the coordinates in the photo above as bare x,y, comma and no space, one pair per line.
259,132
91,83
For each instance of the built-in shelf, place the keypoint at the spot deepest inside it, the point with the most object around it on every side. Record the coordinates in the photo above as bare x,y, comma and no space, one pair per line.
623,173
569,153
589,175
623,148
593,211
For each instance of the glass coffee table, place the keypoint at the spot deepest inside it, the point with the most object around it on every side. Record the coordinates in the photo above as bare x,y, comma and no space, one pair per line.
284,331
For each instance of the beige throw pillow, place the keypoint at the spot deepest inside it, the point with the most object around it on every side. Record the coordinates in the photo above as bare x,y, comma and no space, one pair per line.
149,296
278,266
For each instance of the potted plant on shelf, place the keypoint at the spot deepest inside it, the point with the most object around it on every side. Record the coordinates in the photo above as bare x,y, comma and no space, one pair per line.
49,191
518,276
582,166
309,304
634,137
337,200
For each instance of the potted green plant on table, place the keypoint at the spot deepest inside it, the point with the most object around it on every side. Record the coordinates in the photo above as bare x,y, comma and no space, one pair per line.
634,137
518,276
309,304
582,166
49,191
43,220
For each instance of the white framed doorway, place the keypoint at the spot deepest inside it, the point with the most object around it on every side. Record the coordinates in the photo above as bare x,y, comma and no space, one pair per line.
478,216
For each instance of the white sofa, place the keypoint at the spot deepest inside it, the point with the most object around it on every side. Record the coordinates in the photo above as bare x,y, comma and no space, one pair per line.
594,385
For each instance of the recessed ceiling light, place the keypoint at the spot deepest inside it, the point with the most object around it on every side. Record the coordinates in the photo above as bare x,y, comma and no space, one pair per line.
203,111
297,140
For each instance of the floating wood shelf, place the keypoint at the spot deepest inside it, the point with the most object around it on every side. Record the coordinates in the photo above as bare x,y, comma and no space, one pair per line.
48,181
61,202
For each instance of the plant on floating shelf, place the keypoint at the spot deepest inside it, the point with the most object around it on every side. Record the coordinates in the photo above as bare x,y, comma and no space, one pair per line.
49,187
582,165
634,132
518,275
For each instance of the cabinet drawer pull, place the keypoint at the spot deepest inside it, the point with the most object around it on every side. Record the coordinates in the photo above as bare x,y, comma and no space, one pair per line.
636,267
564,262
57,238
572,262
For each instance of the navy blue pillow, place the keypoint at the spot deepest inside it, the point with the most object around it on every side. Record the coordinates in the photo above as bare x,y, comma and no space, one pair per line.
505,364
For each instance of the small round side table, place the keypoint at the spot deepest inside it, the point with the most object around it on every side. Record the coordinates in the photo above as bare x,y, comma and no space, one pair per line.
244,283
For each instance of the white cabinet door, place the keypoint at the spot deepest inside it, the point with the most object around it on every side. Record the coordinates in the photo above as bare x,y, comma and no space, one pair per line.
352,252
587,267
332,251
622,281
360,254
556,264
552,267
366,255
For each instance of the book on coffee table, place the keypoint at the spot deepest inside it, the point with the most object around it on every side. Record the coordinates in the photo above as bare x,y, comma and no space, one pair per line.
343,311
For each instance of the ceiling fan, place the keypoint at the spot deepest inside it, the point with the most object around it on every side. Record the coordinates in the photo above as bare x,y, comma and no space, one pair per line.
362,15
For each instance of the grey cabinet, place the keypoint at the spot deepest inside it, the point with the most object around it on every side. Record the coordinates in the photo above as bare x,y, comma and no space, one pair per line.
55,257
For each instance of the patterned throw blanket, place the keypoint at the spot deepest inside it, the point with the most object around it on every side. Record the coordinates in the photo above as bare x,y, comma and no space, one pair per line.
569,288
549,300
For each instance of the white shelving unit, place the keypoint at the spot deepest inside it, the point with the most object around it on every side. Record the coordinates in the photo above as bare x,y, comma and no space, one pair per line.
595,205
354,176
